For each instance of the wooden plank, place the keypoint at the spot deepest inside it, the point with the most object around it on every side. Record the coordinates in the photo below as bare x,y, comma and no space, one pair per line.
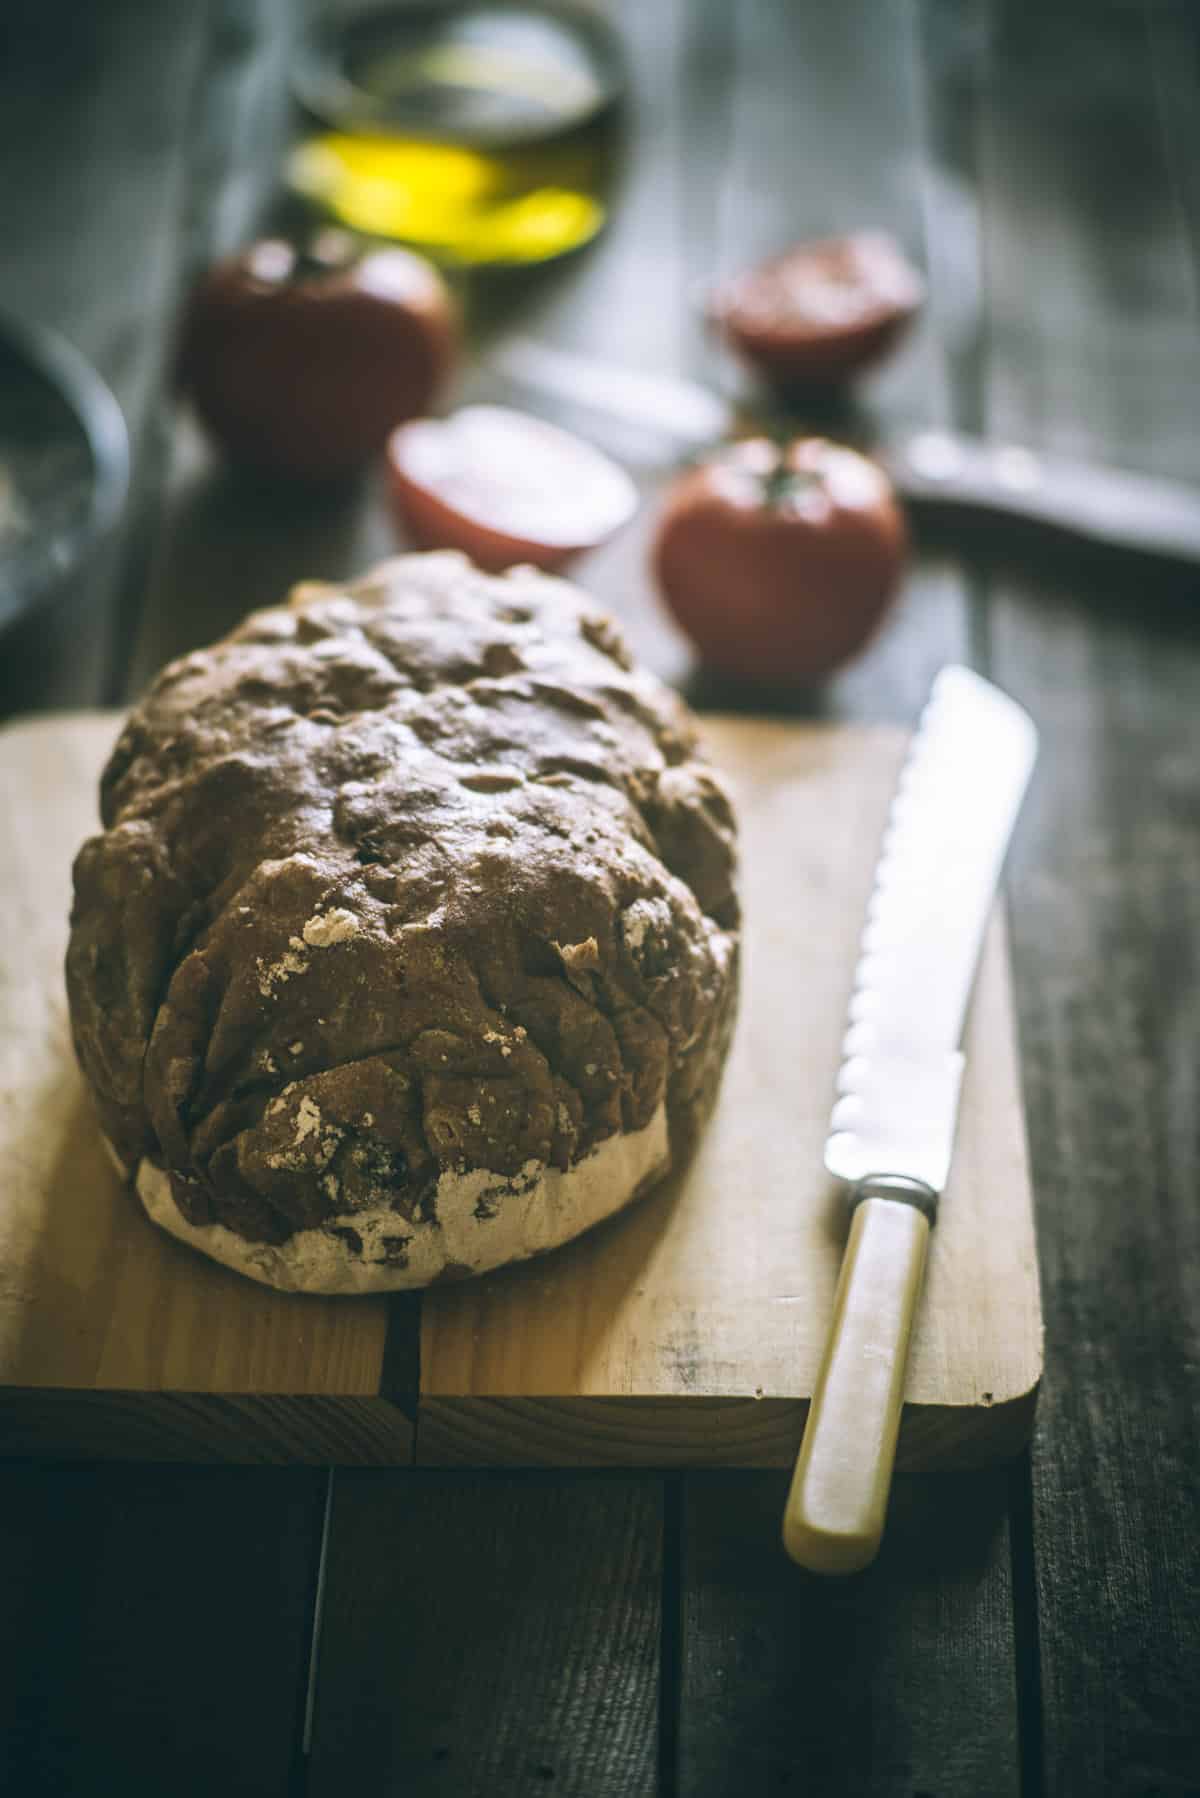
719,1287
234,135
264,1429
686,1331
631,299
498,1635
895,1681
827,136
1093,347
901,1680
156,1635
1174,48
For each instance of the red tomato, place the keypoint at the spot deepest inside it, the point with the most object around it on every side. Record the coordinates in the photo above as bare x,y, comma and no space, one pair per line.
301,364
820,312
779,562
505,487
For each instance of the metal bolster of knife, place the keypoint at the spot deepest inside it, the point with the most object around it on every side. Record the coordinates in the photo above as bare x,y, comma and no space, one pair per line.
895,1111
898,1187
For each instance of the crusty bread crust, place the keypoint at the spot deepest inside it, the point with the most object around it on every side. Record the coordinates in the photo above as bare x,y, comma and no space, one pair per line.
410,943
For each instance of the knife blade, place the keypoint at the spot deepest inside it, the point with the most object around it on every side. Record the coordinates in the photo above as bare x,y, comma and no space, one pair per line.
1113,506
893,1121
935,470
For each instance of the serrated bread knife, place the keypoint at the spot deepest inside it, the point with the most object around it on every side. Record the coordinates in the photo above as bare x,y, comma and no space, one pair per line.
892,1128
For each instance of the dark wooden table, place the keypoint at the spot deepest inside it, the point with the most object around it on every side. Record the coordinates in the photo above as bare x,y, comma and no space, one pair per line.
1034,1628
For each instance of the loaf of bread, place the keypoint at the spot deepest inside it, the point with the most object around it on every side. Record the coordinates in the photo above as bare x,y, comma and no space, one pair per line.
409,946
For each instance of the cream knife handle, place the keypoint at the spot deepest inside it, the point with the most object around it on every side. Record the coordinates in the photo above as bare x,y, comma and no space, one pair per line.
833,1520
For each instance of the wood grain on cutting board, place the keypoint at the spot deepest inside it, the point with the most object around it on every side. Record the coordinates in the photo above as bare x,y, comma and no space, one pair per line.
685,1332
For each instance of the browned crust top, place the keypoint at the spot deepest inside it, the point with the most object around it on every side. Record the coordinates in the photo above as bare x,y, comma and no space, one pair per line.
411,875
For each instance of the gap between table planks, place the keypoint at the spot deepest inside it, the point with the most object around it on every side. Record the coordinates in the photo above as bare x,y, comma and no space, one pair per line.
685,1332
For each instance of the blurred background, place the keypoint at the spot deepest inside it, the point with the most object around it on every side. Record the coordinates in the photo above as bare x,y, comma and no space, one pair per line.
1035,163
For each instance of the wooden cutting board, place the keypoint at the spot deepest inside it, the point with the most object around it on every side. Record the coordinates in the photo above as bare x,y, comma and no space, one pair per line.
686,1332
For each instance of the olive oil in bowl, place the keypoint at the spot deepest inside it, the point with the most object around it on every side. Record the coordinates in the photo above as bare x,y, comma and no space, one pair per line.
480,134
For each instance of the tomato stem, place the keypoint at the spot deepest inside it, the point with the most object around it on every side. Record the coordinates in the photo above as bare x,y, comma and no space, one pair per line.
784,484
324,254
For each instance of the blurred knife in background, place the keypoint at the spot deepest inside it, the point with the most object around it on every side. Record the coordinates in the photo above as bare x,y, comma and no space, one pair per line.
931,469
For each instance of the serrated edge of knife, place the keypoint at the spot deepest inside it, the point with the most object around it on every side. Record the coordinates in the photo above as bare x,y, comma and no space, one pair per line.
939,1078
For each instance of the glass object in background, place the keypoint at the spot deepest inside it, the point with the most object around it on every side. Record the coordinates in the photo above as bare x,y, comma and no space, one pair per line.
64,469
482,134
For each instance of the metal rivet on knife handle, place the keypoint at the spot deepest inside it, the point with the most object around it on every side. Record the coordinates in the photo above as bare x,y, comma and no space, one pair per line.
894,1186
